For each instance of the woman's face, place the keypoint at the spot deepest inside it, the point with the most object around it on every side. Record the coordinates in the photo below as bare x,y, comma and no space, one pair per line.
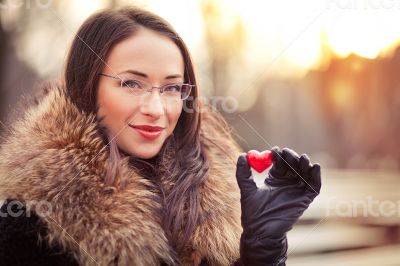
148,57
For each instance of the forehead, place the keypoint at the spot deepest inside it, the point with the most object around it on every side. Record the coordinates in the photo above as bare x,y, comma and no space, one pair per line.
146,51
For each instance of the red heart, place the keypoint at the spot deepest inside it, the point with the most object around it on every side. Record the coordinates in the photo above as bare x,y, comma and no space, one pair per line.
259,161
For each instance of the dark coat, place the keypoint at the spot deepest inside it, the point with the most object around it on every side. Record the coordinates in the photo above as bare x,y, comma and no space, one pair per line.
54,161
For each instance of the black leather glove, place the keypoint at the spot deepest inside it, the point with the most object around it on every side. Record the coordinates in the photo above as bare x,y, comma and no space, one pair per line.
269,212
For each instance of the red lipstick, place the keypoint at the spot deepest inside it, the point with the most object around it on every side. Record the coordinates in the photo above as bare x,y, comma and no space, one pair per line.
147,131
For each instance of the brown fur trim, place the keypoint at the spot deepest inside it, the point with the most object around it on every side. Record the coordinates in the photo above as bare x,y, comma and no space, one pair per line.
55,155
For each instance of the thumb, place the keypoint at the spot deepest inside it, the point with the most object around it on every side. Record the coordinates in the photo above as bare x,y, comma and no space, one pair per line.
243,175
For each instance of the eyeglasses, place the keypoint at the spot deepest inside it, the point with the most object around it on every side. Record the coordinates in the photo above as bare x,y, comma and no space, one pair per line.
140,88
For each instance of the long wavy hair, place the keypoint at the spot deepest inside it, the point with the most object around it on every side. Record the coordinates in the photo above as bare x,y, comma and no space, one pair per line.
181,158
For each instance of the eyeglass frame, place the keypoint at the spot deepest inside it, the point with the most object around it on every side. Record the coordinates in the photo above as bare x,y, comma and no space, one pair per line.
160,89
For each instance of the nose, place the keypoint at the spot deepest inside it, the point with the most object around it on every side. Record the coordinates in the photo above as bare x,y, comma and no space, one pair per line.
152,105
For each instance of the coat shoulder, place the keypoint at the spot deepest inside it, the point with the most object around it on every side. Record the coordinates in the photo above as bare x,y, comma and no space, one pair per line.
20,238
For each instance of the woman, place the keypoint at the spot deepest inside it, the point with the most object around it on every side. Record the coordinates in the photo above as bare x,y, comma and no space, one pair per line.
120,164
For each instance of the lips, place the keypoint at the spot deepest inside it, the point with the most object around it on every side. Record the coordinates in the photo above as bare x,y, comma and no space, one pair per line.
148,132
148,128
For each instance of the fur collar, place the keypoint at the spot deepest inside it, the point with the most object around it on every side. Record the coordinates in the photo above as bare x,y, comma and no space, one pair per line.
54,160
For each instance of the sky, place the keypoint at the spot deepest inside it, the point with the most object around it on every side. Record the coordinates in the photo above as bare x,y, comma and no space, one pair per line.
288,36
296,33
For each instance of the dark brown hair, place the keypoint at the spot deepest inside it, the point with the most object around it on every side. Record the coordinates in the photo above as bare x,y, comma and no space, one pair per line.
181,155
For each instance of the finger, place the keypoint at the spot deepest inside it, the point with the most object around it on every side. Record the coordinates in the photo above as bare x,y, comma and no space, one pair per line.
315,178
243,174
291,159
304,167
276,155
278,167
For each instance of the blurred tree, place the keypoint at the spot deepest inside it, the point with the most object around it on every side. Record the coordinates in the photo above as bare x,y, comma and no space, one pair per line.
225,38
361,100
17,77
34,41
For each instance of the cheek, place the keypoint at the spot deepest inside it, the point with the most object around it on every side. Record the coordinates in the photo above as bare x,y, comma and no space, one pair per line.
116,108
173,113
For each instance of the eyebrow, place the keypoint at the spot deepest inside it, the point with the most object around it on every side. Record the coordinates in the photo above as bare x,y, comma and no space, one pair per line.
138,73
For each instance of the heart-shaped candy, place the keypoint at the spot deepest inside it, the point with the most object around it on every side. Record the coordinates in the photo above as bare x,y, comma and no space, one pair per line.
259,160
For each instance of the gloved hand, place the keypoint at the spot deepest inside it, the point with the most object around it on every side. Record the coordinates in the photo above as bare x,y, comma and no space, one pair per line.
269,212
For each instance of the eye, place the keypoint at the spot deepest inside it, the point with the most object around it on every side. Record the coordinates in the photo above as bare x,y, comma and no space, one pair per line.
173,88
132,84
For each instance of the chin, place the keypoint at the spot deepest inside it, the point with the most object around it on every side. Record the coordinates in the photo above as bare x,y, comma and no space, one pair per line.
145,154
141,150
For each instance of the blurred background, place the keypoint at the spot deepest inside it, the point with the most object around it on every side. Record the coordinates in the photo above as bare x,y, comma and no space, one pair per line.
318,76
